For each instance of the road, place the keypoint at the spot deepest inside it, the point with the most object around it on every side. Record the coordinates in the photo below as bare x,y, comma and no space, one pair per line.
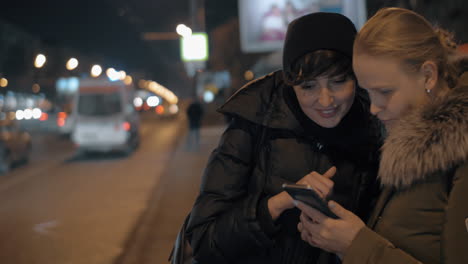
68,209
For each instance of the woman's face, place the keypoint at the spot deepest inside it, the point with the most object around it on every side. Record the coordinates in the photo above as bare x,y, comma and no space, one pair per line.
392,90
326,100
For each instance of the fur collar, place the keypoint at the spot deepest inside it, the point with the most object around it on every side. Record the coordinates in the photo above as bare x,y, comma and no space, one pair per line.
431,139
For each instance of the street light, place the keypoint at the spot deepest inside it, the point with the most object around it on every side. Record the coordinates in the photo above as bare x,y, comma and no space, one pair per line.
40,61
96,70
72,64
128,80
113,75
183,30
248,75
3,82
122,74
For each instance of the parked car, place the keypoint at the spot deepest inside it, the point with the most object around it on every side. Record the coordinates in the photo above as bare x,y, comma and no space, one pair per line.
15,145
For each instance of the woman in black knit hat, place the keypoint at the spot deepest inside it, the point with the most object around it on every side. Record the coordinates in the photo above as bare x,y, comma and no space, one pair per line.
304,124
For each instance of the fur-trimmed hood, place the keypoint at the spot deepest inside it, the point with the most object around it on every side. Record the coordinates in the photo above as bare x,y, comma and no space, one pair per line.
432,139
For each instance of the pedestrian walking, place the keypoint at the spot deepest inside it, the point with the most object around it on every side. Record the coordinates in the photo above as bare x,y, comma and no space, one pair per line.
195,114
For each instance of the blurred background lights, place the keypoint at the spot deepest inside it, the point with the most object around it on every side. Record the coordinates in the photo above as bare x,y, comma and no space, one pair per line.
153,86
112,74
40,61
153,101
68,85
162,91
159,109
72,64
36,113
208,96
195,47
44,117
3,82
128,80
96,70
173,109
122,75
248,75
28,114
183,30
137,102
29,102
62,84
19,114
73,84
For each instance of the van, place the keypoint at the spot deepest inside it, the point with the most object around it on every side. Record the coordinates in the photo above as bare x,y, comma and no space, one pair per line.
105,119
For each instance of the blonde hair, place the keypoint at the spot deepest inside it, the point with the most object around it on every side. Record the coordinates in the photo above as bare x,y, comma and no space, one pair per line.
405,35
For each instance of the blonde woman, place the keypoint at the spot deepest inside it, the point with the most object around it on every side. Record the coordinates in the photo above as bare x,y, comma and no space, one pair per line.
421,215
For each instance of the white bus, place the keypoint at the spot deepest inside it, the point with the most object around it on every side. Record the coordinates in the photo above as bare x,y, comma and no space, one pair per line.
105,119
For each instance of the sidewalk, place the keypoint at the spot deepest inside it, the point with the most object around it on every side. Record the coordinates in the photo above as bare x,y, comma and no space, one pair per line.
154,235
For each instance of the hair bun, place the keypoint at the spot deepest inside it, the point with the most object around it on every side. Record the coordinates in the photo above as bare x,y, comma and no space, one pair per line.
446,39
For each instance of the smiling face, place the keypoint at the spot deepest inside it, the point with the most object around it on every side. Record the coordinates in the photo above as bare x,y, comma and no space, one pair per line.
393,89
326,100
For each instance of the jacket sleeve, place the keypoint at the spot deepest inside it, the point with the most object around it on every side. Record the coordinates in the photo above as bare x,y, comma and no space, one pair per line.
455,236
369,247
223,223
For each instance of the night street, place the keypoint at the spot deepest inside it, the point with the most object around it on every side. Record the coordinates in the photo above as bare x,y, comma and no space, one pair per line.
290,131
66,208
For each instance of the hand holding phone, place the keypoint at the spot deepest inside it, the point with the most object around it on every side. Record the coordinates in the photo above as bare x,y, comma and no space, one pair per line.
309,196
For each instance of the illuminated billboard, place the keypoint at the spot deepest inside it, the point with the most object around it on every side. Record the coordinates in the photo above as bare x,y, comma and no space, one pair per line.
263,23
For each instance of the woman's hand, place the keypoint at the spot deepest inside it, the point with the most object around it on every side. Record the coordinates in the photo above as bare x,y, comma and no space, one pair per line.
321,183
279,203
332,235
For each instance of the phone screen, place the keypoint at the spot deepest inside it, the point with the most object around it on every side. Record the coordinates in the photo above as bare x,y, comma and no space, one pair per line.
310,197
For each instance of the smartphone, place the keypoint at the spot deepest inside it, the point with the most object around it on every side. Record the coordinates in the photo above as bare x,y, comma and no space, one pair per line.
309,196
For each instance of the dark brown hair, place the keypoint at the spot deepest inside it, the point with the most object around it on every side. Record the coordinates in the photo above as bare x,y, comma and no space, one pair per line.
319,63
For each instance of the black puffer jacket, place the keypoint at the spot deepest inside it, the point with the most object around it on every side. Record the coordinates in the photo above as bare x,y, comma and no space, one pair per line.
230,221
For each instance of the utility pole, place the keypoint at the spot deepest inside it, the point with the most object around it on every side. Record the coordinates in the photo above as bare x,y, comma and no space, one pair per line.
197,17
197,25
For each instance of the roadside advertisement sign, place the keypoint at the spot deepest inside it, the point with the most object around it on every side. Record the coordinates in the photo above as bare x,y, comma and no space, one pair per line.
263,23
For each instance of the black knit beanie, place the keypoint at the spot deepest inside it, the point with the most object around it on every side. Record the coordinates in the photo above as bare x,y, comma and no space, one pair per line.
330,31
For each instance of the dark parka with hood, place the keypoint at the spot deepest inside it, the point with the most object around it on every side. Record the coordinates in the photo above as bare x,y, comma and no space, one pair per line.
422,214
230,221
